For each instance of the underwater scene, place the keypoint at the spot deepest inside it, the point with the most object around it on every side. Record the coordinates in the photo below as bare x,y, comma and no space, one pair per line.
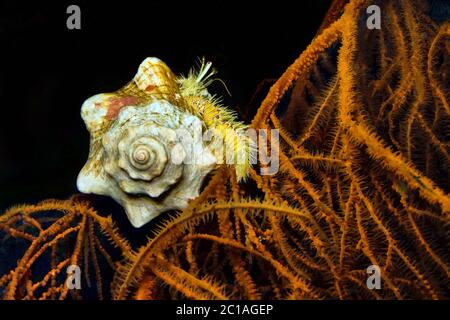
166,153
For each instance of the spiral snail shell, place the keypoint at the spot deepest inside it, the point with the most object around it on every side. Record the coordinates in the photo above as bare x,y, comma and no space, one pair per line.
146,150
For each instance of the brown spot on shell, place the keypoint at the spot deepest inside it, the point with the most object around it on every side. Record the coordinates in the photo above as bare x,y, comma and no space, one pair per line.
117,103
150,88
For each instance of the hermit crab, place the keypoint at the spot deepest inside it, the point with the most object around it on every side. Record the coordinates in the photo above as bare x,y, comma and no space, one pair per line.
153,142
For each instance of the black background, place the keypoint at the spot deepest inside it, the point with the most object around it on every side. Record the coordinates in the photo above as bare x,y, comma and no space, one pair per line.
47,71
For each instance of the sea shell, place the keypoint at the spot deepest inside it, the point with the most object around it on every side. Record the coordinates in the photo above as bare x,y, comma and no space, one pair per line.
146,148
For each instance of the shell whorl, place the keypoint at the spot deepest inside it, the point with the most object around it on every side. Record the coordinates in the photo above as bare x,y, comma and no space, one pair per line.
145,152
148,156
